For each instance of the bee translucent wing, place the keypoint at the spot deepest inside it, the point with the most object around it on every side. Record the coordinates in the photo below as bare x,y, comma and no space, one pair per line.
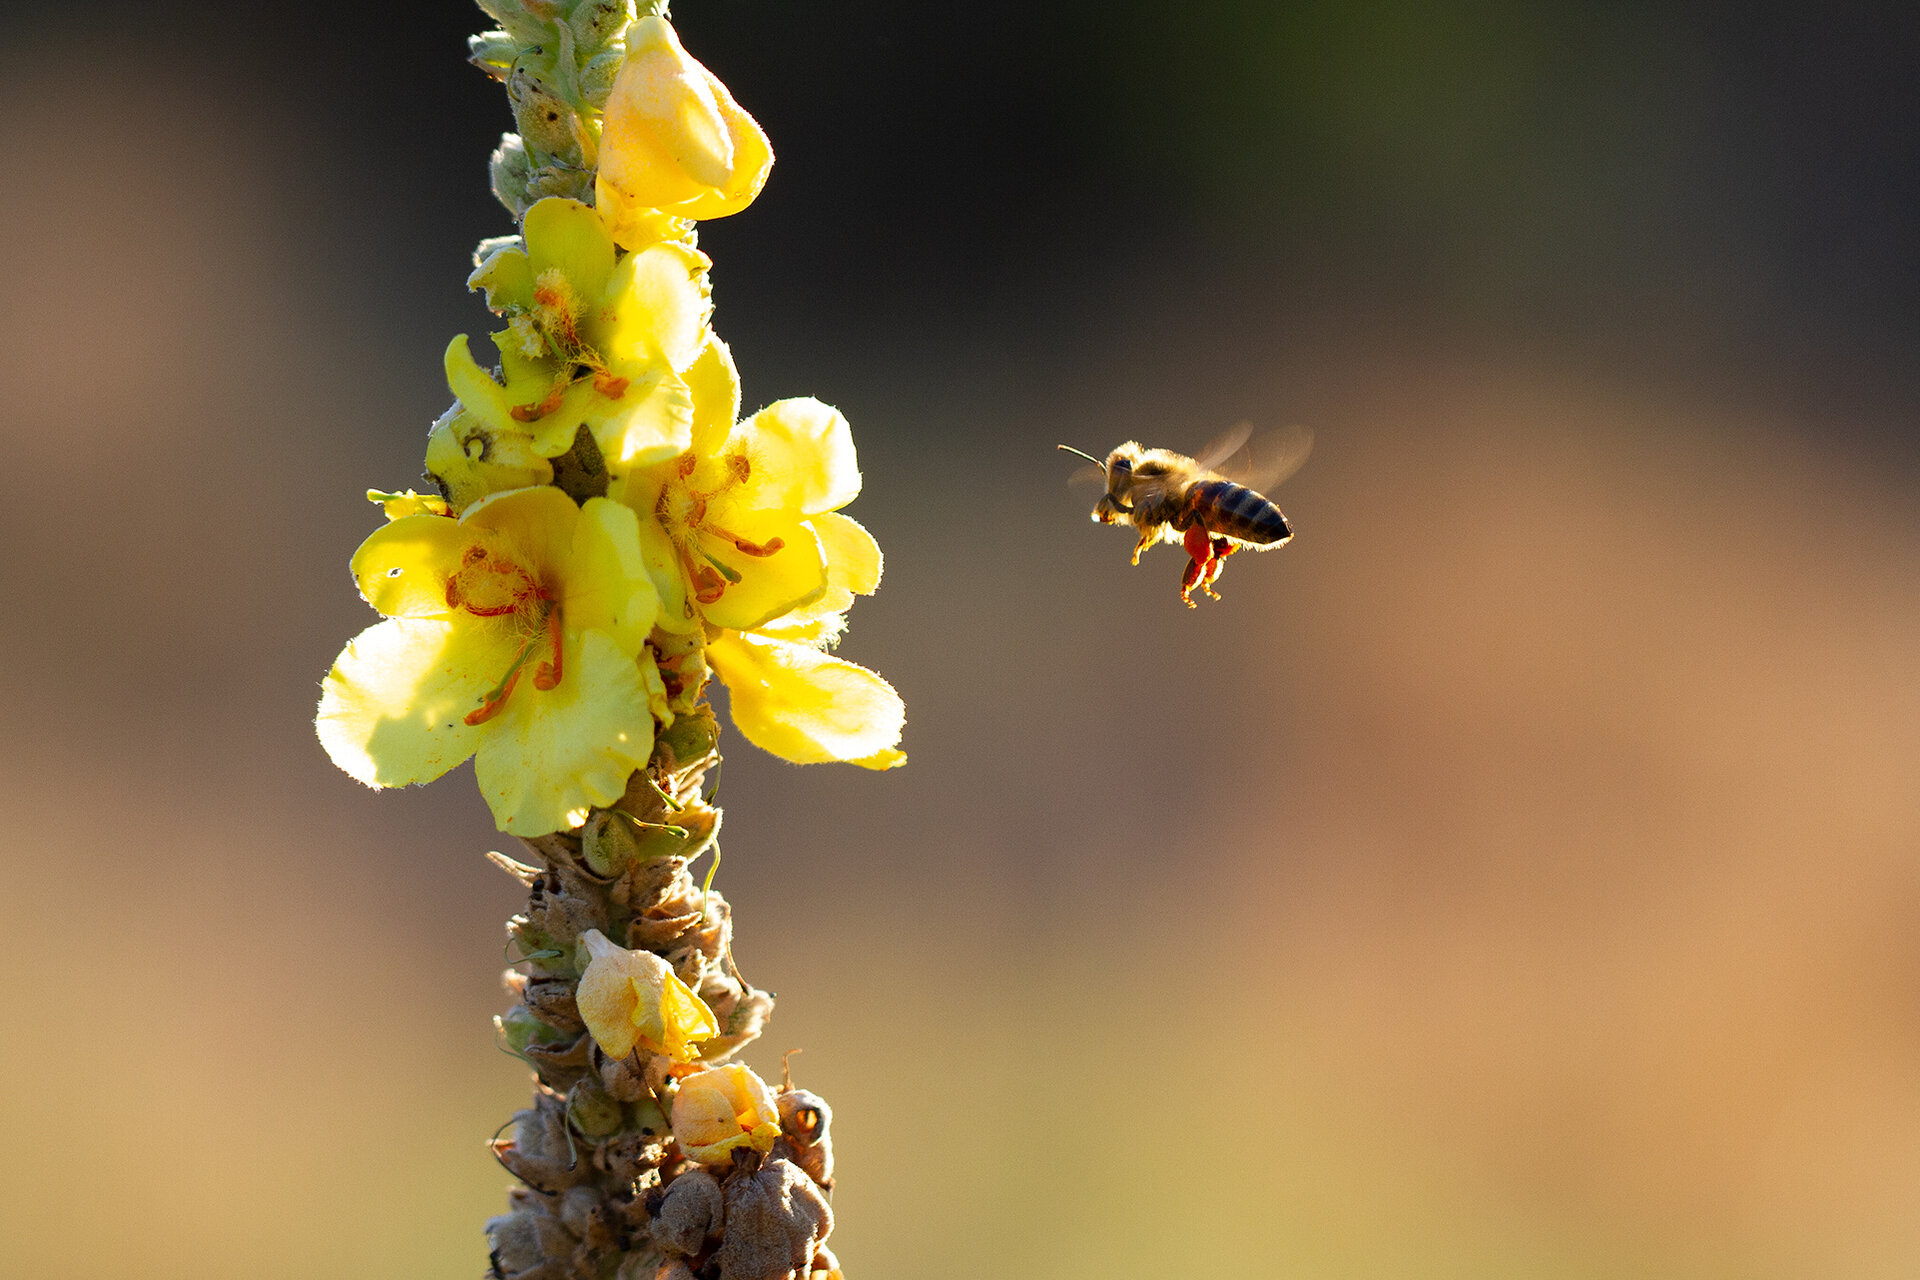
1271,458
1088,475
1223,446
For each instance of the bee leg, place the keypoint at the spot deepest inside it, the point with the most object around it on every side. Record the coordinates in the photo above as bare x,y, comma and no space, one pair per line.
1221,549
1147,538
1201,549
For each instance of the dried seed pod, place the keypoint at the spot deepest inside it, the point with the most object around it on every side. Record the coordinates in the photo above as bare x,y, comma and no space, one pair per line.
775,1220
585,1213
741,1025
529,1243
649,1264
689,1214
560,914
560,1065
660,933
625,1157
552,1001
540,1153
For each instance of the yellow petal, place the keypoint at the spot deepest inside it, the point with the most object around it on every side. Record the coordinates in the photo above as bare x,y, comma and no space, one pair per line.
853,557
392,709
657,305
715,384
607,587
817,625
801,455
803,705
506,277
534,526
569,235
634,998
552,432
469,458
650,421
556,753
721,1108
402,568
672,137
768,585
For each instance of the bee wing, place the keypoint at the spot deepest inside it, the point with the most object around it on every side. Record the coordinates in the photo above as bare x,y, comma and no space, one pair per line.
1221,449
1088,475
1270,459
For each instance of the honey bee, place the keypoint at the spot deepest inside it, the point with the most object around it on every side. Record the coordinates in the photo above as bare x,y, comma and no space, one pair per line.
1170,497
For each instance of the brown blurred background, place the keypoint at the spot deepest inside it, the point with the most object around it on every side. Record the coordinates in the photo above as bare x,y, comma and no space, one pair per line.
1515,877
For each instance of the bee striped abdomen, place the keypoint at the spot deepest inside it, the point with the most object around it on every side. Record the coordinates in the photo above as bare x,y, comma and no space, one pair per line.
1236,511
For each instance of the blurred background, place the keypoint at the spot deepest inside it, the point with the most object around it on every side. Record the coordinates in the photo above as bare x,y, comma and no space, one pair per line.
1516,876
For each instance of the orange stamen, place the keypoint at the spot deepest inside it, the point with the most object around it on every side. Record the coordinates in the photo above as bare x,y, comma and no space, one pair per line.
539,410
751,548
496,699
609,386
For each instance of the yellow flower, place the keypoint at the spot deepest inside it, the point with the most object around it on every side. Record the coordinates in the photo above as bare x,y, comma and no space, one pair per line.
634,998
673,141
590,341
511,634
748,546
722,1108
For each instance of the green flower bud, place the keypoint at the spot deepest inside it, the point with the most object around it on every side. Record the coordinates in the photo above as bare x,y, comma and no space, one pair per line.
608,843
547,121
520,1029
525,27
598,23
511,172
593,1113
493,52
596,77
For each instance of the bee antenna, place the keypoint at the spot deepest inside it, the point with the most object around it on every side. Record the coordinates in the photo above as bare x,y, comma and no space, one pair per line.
1083,453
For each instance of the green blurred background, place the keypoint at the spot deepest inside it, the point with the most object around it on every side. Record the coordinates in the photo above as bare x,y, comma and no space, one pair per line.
1514,877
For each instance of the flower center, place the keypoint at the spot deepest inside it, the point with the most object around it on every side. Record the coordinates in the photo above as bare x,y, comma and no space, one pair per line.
490,585
683,511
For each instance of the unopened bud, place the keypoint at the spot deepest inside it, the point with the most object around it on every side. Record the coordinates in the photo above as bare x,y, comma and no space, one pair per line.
673,141
722,1110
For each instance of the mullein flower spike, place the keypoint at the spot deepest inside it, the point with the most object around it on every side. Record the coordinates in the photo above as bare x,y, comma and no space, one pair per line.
604,532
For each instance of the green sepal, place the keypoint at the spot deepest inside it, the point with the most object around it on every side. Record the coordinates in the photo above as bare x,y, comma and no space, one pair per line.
518,1028
593,1112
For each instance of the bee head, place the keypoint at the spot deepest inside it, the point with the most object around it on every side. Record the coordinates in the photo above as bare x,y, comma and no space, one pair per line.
1115,507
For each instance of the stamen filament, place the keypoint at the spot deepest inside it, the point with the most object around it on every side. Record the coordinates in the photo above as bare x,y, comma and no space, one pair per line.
731,574
747,546
547,674
496,698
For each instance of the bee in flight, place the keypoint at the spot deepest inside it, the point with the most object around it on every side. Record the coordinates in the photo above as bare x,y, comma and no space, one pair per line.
1170,497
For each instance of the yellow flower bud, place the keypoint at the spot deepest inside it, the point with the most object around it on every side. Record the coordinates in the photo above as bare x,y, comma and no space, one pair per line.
673,141
723,1108
632,999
